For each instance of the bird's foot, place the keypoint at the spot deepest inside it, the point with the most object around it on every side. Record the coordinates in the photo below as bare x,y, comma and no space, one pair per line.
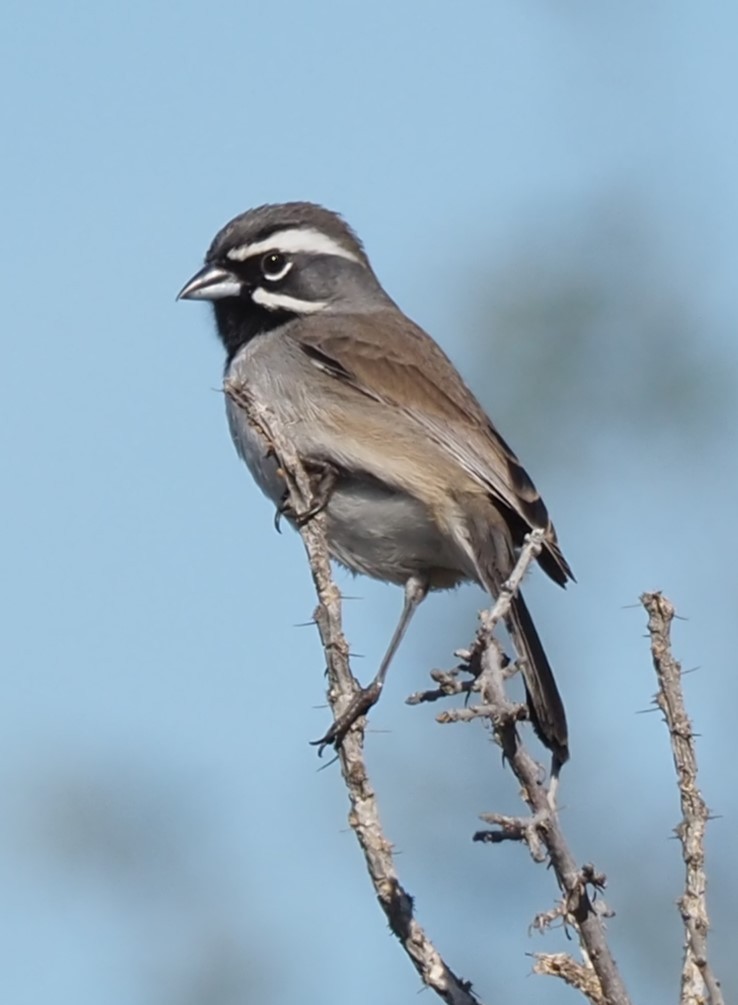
359,705
323,477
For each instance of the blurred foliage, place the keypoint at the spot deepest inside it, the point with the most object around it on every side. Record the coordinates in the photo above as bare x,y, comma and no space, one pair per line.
593,320
144,851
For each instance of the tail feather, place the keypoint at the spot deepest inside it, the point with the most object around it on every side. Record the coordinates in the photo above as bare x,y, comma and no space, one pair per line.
545,706
491,550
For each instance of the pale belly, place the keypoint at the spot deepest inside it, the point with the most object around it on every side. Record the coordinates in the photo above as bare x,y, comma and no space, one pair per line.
372,529
389,536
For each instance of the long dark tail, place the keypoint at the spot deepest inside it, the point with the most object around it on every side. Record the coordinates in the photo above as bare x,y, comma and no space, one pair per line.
545,706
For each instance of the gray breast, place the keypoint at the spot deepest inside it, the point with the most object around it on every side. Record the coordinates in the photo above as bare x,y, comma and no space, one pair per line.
254,450
388,535
372,527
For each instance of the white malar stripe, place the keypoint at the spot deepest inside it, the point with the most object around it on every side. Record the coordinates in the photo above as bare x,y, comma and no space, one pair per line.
281,302
305,239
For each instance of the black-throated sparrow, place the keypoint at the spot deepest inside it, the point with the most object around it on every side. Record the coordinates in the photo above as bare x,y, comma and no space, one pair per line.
424,491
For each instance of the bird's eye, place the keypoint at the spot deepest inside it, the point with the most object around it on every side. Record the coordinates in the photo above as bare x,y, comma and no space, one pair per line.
275,265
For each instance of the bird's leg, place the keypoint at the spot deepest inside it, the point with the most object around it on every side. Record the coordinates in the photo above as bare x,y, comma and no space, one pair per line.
323,478
416,589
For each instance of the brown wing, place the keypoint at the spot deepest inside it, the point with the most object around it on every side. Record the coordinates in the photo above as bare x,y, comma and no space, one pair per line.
376,354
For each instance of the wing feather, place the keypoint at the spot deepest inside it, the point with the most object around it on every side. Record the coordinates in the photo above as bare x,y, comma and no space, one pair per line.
435,398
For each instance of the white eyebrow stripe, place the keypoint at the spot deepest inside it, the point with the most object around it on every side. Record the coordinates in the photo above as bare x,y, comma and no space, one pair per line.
298,239
280,301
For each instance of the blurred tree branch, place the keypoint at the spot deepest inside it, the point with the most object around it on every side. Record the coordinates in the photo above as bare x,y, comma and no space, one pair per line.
592,317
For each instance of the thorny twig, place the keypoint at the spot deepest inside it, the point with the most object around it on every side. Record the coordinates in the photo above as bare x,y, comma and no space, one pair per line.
698,983
581,907
396,903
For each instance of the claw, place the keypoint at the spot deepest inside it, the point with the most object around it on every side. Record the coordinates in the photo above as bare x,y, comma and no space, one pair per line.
359,705
323,480
283,509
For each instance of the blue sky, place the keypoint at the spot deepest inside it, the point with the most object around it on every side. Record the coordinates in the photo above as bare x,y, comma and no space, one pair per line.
166,831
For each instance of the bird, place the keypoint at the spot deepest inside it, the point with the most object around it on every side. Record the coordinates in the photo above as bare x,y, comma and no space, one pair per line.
419,488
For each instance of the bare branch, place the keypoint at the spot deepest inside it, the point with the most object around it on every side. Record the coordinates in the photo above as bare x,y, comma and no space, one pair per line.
448,683
581,906
396,903
525,829
574,974
578,908
698,983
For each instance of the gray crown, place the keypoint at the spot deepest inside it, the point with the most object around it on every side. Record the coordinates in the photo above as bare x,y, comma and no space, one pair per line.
264,221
